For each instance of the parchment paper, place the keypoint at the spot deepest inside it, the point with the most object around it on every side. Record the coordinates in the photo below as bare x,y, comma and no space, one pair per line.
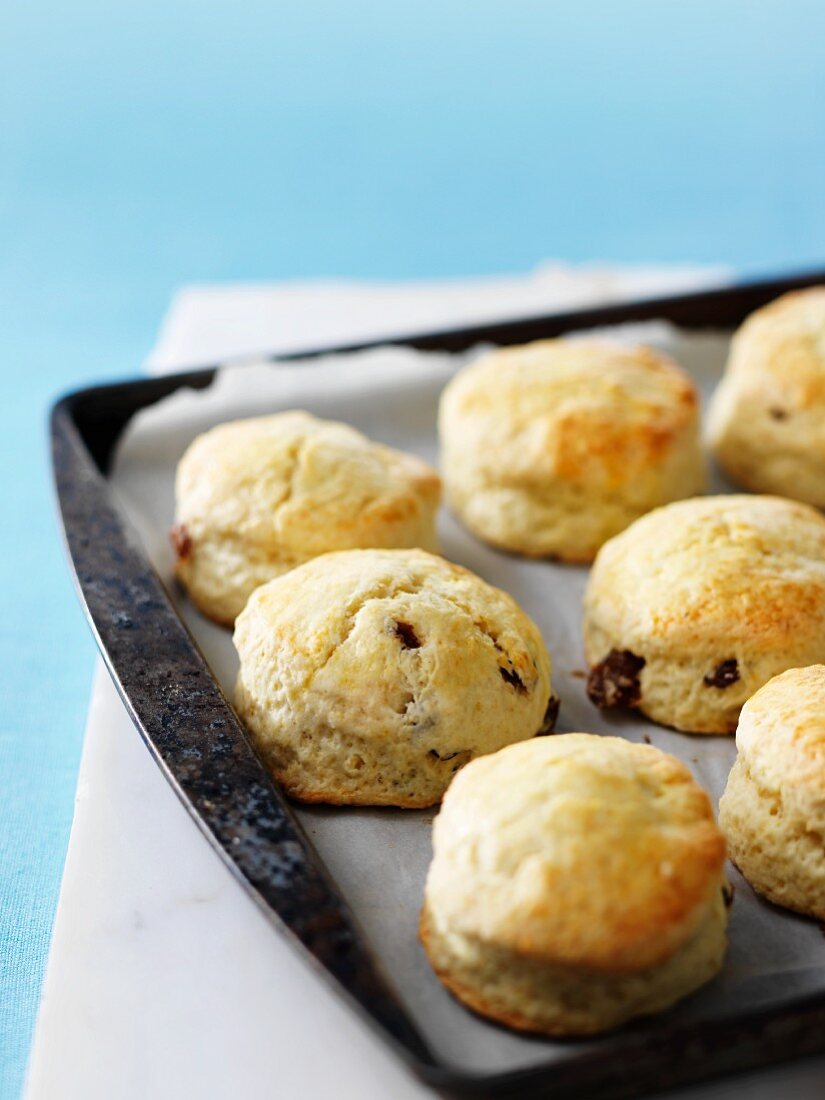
379,857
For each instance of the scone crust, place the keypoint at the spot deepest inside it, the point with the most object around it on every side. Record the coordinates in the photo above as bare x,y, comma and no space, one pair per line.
551,448
714,596
766,421
576,881
773,808
255,498
369,677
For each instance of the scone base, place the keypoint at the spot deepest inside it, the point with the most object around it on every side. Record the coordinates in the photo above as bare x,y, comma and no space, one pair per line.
694,965
330,797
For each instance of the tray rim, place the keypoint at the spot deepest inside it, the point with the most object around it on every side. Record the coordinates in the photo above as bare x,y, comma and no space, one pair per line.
91,420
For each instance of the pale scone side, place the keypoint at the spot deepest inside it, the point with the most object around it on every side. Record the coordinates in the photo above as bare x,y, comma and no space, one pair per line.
773,808
766,422
560,1000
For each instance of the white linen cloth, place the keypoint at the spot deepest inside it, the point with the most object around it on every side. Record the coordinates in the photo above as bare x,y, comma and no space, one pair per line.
164,979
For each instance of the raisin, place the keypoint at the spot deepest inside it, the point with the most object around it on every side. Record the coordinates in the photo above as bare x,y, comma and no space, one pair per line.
406,633
614,682
725,674
550,716
181,541
511,677
778,414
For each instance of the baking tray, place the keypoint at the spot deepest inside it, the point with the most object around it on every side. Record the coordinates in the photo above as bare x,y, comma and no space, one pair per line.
174,698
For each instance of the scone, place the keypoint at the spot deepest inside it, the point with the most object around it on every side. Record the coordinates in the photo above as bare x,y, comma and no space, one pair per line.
255,498
767,419
577,881
550,449
370,677
773,808
700,603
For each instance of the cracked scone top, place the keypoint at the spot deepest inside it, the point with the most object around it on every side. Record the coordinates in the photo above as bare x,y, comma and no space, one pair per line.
370,677
697,605
551,448
773,808
256,497
577,881
766,422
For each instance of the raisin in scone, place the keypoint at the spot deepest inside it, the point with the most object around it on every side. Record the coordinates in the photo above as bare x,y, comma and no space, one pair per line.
577,881
255,498
766,422
552,448
773,808
697,605
370,677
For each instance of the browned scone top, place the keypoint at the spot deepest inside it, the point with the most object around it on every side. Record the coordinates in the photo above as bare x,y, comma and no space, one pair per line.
256,497
550,448
629,814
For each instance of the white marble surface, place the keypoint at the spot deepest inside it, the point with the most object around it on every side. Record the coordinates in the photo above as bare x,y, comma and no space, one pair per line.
164,980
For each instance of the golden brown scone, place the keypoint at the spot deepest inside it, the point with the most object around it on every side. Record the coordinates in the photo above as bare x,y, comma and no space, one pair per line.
577,881
551,448
773,808
767,419
700,603
257,497
370,677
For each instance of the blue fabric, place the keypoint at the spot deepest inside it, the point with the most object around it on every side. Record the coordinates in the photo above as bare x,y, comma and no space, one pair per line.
151,143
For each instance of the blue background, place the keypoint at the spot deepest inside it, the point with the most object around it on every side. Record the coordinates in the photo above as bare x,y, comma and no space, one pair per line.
143,145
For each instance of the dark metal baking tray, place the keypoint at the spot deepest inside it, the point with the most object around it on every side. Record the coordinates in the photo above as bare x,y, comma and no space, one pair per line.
173,698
